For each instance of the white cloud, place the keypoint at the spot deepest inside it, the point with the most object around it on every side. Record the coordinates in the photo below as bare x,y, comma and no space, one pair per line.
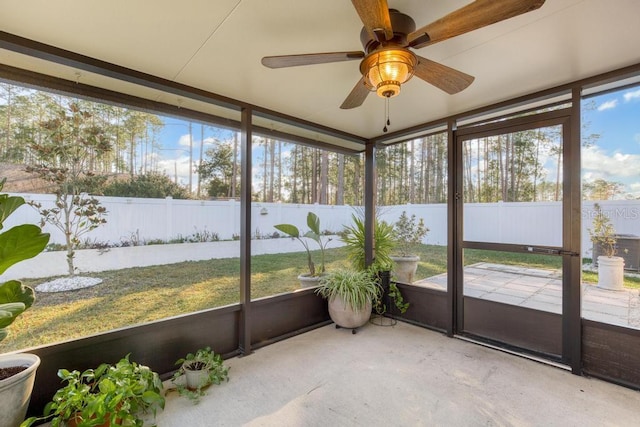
616,167
184,140
177,167
602,164
608,105
630,96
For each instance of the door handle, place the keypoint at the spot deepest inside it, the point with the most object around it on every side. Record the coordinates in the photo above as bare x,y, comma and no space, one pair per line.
550,251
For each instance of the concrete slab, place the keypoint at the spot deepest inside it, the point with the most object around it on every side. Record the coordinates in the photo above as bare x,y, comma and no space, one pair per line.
399,376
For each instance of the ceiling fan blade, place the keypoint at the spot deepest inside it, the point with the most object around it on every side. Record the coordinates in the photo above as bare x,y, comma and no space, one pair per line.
475,15
445,78
309,59
374,14
357,95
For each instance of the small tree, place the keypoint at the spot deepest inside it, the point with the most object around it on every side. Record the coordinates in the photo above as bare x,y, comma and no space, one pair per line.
603,234
72,144
408,233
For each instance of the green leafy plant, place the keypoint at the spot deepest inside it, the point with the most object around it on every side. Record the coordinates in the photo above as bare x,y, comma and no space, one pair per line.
353,237
16,244
603,233
119,394
398,300
356,288
395,295
408,232
313,222
209,363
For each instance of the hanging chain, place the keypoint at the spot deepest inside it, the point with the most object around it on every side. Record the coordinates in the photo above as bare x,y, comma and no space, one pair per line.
386,113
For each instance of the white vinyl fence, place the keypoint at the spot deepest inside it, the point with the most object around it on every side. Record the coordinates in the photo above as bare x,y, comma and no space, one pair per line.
166,219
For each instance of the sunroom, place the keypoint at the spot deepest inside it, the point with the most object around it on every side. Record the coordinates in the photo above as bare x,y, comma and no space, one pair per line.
506,141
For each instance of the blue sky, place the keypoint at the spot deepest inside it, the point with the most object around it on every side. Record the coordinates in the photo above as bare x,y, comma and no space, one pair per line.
175,142
615,156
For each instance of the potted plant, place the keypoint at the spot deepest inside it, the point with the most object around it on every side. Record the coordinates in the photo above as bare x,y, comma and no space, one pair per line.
311,278
383,238
408,234
603,237
198,371
350,294
17,371
120,394
383,244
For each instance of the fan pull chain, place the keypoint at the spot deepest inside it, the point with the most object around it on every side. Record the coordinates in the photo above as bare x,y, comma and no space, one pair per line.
386,112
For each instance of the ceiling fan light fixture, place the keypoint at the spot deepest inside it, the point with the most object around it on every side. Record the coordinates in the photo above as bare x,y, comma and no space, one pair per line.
387,69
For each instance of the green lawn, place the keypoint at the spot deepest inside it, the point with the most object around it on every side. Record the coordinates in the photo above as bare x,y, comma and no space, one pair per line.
137,295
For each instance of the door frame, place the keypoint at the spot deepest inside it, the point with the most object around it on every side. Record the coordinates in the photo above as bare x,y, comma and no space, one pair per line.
569,119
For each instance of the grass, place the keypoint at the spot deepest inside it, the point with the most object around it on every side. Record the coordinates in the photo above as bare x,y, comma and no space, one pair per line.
138,295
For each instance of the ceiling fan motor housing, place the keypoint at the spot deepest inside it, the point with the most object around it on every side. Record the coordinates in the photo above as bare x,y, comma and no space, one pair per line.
388,63
402,25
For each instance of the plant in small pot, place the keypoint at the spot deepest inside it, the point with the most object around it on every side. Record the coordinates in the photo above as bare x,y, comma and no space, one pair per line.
198,371
350,294
408,234
17,370
384,244
610,266
310,279
125,394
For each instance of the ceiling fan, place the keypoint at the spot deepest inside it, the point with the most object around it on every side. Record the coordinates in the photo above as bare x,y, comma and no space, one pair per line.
387,37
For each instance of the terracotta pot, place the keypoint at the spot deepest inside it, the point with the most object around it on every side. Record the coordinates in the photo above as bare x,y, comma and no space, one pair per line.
15,391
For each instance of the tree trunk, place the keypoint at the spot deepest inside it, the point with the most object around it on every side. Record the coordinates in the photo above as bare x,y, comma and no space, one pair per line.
412,172
67,207
324,177
340,186
314,176
198,185
264,171
272,168
234,166
279,170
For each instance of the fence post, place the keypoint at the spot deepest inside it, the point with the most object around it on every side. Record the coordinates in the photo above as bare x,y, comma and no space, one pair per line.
169,218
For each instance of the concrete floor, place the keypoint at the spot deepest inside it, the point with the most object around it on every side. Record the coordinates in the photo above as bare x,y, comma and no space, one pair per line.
399,376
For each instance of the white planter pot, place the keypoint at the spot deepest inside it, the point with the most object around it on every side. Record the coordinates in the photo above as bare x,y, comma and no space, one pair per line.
611,273
307,281
405,268
346,317
15,391
195,379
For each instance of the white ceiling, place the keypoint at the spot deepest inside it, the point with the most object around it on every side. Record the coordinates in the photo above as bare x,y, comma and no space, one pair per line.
217,46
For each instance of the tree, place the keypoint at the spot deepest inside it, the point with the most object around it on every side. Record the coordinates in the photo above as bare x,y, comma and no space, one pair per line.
601,189
218,169
149,185
71,143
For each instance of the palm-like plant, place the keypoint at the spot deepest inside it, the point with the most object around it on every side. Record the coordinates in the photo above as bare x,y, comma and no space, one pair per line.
313,222
383,244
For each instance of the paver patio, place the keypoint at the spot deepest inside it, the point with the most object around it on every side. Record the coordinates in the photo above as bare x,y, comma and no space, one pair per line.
541,289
